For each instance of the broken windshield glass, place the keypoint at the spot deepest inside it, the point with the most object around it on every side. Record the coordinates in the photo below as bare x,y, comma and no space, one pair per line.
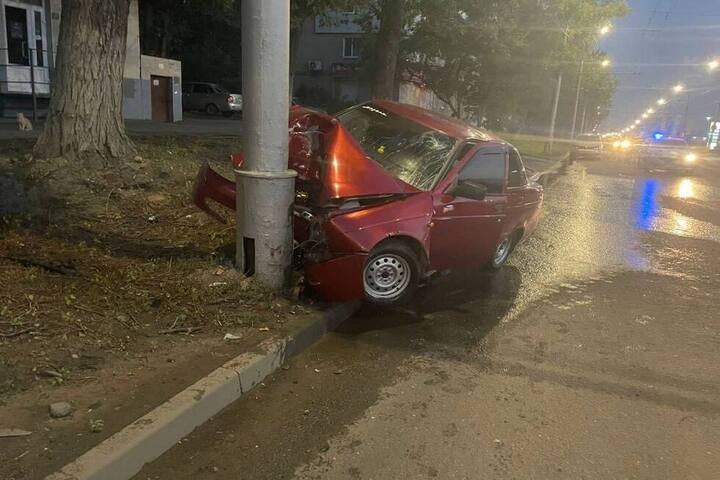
411,152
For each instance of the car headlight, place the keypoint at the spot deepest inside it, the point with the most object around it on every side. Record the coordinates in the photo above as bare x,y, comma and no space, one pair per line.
625,144
690,157
617,144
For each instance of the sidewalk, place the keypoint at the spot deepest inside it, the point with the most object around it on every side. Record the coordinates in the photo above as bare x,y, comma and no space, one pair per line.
193,124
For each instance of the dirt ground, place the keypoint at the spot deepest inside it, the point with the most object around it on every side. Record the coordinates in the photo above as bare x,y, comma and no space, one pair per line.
115,299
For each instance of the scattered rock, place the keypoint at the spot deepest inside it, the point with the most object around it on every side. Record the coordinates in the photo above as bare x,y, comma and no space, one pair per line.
60,409
229,337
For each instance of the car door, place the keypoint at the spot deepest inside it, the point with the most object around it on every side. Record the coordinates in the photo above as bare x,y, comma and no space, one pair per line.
200,96
521,197
466,231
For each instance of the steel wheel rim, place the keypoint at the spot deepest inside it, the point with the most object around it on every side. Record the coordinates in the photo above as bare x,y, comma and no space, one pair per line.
387,276
502,252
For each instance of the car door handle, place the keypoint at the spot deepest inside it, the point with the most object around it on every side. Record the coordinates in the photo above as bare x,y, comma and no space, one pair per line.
448,208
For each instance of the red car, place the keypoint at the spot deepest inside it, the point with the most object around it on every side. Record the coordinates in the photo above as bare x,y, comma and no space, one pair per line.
388,194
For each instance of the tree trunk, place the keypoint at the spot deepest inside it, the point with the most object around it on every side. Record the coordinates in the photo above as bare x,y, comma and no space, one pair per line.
387,49
85,113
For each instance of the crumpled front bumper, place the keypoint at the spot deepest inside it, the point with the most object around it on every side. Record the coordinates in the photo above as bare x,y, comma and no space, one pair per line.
339,279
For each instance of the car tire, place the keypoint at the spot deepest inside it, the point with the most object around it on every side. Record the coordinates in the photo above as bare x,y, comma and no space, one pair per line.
391,274
212,109
502,252
227,114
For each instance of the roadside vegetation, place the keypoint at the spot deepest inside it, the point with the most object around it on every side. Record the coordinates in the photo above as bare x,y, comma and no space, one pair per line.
123,259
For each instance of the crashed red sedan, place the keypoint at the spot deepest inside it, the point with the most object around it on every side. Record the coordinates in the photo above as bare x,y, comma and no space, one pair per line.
389,194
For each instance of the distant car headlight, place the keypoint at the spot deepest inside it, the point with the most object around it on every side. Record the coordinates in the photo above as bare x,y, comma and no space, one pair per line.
617,144
625,144
690,158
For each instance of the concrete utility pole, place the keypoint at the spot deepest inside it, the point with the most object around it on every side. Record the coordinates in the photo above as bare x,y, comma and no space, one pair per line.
555,112
265,186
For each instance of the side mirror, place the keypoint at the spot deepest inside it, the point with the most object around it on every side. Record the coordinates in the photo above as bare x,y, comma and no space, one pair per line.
469,189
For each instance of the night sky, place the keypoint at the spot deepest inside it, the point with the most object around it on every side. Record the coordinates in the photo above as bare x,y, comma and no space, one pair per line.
659,44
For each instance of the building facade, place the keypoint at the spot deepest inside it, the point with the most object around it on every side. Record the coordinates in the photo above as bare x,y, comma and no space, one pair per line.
28,46
328,60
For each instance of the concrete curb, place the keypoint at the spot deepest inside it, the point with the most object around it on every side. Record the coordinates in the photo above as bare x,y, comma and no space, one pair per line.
123,455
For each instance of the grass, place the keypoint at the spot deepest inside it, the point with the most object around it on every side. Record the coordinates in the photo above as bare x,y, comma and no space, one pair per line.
129,258
533,145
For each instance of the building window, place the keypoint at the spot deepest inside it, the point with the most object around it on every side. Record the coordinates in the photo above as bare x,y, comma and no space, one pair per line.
351,47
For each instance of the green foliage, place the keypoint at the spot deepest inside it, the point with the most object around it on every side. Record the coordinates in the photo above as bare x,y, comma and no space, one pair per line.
499,59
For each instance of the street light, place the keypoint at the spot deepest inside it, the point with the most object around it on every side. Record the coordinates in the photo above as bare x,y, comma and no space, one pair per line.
713,65
679,88
605,63
605,29
650,111
637,122
662,101
645,115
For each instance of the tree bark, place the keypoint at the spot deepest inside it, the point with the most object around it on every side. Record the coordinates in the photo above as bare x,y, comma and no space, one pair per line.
387,49
85,112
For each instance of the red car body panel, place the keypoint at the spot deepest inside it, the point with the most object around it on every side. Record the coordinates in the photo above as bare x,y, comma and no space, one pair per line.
446,231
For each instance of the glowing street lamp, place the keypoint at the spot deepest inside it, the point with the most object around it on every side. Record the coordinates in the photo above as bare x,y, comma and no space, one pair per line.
638,121
713,65
605,29
679,88
650,111
645,115
605,63
662,101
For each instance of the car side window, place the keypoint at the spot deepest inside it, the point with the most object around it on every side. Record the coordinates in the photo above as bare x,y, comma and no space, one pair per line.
486,167
516,170
201,89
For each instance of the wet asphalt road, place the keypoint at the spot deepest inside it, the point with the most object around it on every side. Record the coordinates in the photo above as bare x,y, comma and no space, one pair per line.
594,355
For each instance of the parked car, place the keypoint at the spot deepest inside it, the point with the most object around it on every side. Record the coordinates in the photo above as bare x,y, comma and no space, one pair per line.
388,194
210,98
668,153
587,147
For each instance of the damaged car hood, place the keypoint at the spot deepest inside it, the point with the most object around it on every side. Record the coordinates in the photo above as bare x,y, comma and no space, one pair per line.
323,151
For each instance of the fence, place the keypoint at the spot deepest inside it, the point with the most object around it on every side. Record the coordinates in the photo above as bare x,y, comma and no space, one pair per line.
30,74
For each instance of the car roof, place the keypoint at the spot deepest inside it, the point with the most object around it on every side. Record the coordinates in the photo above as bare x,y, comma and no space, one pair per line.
452,127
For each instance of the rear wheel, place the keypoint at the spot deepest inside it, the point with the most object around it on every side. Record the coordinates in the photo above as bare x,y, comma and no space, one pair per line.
391,274
502,253
212,109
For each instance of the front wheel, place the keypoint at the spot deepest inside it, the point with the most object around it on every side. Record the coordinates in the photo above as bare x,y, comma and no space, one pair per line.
391,274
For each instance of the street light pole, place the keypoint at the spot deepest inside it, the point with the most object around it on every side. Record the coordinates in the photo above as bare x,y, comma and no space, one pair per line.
577,98
265,185
555,112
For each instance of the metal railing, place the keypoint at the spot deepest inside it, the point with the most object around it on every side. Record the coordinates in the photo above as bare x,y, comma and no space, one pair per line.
30,55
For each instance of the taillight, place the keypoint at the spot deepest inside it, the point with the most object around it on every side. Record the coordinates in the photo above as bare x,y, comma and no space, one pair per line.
231,99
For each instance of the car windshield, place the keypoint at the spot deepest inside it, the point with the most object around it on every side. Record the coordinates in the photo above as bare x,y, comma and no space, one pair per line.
411,152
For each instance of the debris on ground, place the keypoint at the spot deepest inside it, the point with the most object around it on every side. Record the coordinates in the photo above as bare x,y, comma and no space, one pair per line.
96,426
229,337
13,432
